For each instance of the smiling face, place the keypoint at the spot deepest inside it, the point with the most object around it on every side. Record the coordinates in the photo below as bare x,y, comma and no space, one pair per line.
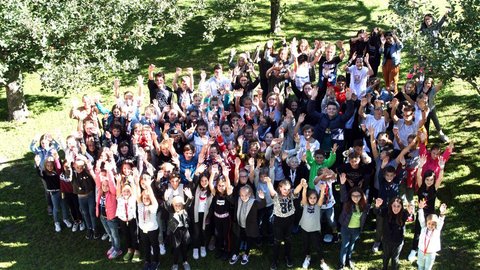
356,197
429,181
396,207
245,194
312,199
332,110
284,188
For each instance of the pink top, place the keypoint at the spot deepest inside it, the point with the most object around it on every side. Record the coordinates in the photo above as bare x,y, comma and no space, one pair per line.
432,164
110,196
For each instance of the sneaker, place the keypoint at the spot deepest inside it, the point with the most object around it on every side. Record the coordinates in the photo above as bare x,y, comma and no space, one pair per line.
115,254
375,247
105,236
195,253
67,223
306,262
75,227
203,252
412,255
82,226
289,262
136,256
234,259
244,260
57,227
110,251
96,235
327,238
273,266
444,137
128,256
186,266
175,267
323,265
89,235
162,249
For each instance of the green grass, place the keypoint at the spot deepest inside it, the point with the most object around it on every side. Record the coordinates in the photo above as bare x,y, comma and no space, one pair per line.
27,238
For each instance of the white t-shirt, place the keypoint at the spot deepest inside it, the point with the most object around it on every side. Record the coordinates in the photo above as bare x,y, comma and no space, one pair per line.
379,125
404,131
147,217
358,80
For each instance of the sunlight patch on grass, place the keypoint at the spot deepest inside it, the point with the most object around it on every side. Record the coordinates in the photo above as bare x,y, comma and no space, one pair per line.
13,245
5,184
89,262
4,265
467,198
12,203
12,218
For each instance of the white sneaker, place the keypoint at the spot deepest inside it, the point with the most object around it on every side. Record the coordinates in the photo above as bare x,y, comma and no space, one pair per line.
234,259
195,253
203,252
306,262
82,226
444,138
105,236
57,227
412,255
244,260
74,227
323,265
375,247
162,249
67,223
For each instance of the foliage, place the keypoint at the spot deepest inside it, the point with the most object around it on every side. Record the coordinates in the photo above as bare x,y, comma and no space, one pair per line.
82,40
454,53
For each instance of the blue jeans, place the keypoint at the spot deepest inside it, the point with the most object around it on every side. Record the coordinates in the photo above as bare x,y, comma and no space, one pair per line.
349,237
87,207
111,228
425,261
55,197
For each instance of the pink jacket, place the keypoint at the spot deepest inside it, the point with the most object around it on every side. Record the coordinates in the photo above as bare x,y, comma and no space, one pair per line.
110,196
432,164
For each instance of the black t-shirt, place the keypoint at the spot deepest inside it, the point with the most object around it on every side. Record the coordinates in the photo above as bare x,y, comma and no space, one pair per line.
328,70
430,195
158,94
355,175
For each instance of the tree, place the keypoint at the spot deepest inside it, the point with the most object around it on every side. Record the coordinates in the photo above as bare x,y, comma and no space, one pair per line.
75,44
454,53
275,16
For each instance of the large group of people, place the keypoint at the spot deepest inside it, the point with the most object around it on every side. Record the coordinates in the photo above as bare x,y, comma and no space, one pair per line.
303,139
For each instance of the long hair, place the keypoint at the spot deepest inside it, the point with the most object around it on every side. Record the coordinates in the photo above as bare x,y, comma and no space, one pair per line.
397,218
362,204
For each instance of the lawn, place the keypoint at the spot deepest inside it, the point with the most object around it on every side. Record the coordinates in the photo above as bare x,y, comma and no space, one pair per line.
27,237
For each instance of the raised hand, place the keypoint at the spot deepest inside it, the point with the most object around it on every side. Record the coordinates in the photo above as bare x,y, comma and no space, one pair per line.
188,192
261,194
441,162
422,204
422,161
378,202
343,178
443,209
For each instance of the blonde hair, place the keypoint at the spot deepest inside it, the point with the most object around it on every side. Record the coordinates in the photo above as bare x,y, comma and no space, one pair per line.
178,200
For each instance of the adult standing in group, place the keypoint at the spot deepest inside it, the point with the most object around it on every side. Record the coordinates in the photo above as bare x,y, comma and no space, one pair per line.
157,88
218,81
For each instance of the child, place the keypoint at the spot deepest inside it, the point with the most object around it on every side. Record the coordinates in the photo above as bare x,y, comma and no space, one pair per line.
127,214
178,228
309,222
283,218
265,214
51,176
107,206
319,162
147,217
202,201
352,219
245,226
427,191
429,243
327,177
394,219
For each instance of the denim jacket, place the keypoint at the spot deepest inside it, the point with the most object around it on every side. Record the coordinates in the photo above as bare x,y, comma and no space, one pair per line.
394,50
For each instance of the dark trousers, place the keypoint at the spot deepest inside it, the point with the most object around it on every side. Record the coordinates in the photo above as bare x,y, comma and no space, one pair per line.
71,200
265,222
238,239
311,239
150,240
129,231
200,236
391,251
282,231
180,249
222,234
432,116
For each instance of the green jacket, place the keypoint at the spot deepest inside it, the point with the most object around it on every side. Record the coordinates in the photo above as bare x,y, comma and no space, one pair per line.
314,166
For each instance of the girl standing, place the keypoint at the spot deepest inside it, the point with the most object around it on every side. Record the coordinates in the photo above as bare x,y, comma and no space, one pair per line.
283,218
429,243
352,219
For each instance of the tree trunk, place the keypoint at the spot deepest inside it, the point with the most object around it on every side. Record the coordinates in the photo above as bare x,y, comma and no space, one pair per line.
475,85
275,16
17,107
